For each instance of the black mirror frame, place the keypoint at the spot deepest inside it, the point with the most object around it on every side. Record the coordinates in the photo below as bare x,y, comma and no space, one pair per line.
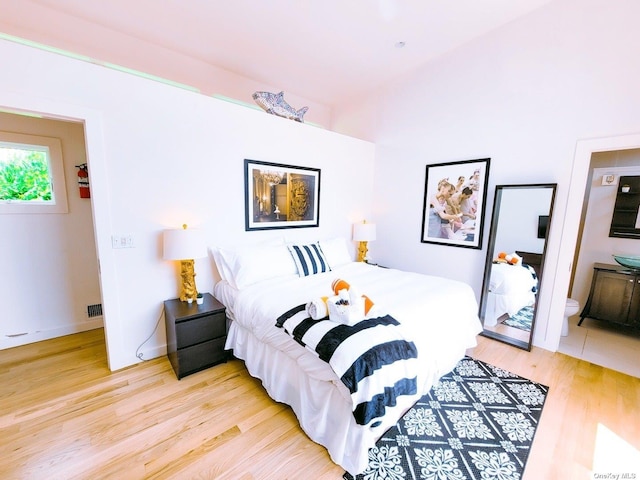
489,260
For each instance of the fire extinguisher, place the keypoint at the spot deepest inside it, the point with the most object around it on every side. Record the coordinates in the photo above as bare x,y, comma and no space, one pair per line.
83,181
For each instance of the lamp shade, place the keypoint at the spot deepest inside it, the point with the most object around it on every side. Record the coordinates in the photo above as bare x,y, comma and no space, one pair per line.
183,244
364,232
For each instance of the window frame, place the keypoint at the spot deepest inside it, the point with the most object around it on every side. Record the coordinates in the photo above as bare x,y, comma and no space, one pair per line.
56,171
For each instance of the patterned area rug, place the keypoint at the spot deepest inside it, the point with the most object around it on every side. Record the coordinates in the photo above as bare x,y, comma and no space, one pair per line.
521,320
476,423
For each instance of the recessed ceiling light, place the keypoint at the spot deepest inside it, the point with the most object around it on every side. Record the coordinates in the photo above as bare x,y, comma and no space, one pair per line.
400,44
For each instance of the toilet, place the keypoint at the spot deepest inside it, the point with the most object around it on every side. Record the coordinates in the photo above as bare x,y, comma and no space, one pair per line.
571,309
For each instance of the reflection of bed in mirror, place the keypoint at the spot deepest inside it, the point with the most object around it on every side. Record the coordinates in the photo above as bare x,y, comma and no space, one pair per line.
511,288
532,259
520,223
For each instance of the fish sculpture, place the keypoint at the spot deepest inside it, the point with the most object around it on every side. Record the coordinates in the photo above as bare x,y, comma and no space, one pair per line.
275,104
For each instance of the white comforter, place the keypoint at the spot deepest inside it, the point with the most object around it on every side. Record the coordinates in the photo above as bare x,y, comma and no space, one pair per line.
439,315
506,279
512,286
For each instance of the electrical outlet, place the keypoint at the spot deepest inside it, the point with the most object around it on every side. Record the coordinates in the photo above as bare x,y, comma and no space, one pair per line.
122,241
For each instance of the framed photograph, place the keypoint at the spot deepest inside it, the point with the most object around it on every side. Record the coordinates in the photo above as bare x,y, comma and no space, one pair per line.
454,202
280,196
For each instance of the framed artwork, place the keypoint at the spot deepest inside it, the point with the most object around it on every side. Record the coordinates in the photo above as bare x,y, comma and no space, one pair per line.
280,196
454,202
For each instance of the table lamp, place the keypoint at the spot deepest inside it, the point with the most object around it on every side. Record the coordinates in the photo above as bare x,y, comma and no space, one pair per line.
185,245
363,232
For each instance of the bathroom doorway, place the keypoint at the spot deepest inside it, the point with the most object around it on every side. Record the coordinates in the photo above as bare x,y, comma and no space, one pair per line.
595,341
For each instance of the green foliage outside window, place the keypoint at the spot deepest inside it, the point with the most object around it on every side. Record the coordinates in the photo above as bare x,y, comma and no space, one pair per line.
24,175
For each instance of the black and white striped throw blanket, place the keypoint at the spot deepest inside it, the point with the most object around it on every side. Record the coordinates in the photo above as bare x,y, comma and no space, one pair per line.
372,358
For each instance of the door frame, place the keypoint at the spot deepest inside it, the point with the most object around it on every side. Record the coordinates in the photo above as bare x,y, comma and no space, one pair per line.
14,102
577,186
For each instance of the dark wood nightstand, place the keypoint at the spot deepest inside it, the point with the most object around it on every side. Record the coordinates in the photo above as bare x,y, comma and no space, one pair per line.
195,334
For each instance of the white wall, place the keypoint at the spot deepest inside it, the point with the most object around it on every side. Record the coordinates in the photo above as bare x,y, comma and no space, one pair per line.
518,224
525,95
49,263
160,156
148,58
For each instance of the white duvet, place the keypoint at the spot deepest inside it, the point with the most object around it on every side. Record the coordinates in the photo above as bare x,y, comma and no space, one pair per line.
511,287
506,279
439,315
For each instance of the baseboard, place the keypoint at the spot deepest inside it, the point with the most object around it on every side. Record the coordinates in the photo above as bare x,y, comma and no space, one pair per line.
32,337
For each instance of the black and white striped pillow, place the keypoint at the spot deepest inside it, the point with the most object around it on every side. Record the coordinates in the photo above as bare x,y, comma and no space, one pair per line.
309,259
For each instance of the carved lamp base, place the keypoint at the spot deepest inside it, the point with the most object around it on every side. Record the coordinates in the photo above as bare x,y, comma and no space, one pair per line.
362,251
188,288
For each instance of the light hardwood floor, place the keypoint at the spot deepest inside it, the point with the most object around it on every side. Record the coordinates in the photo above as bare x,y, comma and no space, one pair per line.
64,415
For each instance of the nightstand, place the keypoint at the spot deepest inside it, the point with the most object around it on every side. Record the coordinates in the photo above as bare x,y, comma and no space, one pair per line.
195,334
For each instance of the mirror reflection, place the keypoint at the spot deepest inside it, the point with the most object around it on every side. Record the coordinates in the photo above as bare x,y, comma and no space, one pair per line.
515,260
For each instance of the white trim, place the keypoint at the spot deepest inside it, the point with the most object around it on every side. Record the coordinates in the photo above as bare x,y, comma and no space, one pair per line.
38,336
53,147
571,227
96,158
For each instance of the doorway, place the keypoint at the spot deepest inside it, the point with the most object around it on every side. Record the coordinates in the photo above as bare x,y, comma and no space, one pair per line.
49,259
595,341
578,188
91,119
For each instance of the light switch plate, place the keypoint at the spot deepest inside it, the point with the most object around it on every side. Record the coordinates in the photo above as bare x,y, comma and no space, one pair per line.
122,241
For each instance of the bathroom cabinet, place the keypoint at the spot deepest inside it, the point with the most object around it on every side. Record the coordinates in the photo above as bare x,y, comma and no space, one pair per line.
614,295
625,221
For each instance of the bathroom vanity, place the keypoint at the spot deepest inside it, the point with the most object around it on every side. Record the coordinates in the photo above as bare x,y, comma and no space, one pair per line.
614,295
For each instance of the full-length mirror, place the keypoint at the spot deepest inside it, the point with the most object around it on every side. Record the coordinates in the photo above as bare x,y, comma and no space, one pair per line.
515,260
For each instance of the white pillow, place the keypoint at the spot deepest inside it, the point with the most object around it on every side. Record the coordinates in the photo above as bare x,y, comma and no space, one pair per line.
252,264
336,252
309,259
223,269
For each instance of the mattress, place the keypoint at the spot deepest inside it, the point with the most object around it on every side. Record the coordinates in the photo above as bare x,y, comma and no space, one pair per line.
439,315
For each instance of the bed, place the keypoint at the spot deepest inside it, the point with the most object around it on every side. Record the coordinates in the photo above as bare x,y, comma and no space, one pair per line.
259,284
511,288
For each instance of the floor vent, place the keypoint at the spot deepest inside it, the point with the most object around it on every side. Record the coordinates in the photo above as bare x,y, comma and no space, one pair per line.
94,310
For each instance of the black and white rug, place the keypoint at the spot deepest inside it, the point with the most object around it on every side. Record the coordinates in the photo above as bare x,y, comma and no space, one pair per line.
521,320
476,423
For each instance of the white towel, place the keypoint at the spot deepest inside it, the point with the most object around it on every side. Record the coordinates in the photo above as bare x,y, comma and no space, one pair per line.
354,296
317,308
346,314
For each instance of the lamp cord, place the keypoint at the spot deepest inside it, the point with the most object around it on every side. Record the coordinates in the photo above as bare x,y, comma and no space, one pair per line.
138,352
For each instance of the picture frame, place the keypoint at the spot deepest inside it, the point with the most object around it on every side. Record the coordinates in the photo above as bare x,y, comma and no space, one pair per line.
280,196
451,215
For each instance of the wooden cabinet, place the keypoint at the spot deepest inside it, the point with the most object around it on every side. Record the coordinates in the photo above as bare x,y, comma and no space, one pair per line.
614,296
625,222
196,334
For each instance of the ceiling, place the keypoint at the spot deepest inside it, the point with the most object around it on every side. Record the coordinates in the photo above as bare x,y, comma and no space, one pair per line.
325,50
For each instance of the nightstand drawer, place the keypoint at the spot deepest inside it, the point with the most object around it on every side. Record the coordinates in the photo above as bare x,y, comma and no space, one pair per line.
195,334
198,330
201,356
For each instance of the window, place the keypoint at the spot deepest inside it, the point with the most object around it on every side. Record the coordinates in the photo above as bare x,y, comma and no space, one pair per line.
31,174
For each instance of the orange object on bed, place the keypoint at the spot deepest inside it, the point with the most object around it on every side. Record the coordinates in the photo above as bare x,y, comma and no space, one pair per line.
340,284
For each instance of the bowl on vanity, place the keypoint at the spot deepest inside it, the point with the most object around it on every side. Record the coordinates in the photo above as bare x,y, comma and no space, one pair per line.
629,261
